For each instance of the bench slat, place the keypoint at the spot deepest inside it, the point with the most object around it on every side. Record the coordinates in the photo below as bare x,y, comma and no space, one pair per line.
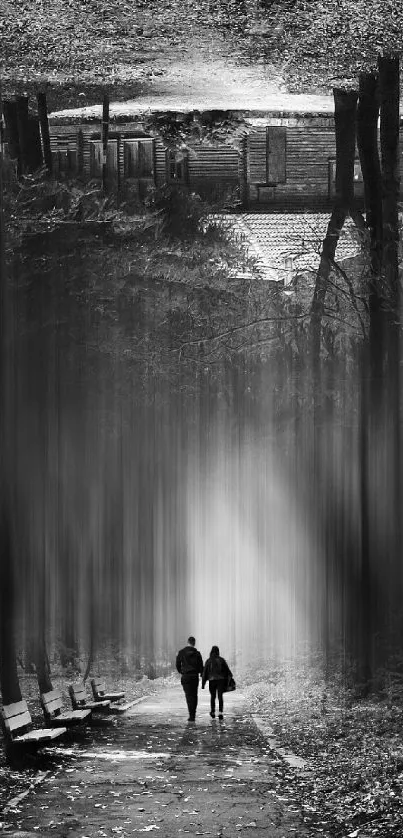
17,722
17,717
52,703
100,693
45,735
73,715
53,695
10,710
79,695
52,700
80,701
112,696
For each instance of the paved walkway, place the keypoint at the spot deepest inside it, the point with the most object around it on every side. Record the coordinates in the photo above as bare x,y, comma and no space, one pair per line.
152,771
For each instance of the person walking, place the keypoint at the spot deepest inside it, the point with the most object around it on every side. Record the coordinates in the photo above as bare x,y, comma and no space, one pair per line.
217,672
189,664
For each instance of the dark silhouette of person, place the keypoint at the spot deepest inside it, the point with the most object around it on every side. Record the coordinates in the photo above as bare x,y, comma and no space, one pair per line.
189,664
216,671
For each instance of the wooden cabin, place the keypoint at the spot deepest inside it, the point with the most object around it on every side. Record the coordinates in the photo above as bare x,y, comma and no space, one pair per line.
141,161
283,161
291,163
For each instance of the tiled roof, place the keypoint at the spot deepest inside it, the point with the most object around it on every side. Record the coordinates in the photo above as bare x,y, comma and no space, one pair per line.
284,244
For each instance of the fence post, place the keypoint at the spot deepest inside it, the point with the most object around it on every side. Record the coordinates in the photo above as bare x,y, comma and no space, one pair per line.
105,132
11,125
44,126
23,133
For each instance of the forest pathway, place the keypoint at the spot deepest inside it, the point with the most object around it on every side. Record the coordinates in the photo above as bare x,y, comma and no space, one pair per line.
206,72
153,771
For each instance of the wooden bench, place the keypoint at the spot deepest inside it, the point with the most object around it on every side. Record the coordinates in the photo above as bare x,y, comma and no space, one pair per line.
52,706
79,700
19,730
100,694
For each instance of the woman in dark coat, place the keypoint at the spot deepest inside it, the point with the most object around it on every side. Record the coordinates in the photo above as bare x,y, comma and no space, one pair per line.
217,672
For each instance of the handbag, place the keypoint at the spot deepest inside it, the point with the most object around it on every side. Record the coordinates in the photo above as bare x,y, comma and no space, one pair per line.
231,685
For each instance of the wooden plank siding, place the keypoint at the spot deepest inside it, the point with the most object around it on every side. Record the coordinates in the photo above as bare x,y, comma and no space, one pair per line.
282,162
65,149
96,155
160,157
213,171
306,164
276,154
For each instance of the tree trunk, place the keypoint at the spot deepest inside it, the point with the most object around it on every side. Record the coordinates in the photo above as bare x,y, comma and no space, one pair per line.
92,612
23,133
345,104
35,156
389,131
365,602
389,135
9,684
105,133
42,665
44,125
12,136
367,142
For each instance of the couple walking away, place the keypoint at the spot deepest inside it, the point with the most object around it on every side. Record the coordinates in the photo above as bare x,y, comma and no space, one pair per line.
216,671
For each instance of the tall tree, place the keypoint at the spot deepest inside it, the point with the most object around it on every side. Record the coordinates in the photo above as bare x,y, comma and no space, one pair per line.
9,684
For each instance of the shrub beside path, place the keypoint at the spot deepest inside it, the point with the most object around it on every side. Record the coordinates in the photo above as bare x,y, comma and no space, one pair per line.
152,771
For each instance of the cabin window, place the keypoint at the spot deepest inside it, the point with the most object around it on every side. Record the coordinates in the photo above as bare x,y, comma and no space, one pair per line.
358,179
139,158
177,166
97,158
64,160
275,155
265,194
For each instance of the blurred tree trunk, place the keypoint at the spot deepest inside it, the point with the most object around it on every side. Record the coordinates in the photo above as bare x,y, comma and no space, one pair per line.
380,376
92,616
12,137
44,125
389,77
345,106
23,133
365,603
42,664
370,365
105,134
345,103
367,142
9,685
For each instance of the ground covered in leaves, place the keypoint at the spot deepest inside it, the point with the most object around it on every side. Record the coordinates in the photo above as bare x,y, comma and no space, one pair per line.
79,48
353,781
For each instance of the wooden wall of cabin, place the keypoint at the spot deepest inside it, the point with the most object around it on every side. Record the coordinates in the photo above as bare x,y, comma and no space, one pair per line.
214,171
309,168
305,176
207,168
309,159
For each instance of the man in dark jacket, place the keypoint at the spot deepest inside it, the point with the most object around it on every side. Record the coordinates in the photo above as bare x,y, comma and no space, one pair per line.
189,664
